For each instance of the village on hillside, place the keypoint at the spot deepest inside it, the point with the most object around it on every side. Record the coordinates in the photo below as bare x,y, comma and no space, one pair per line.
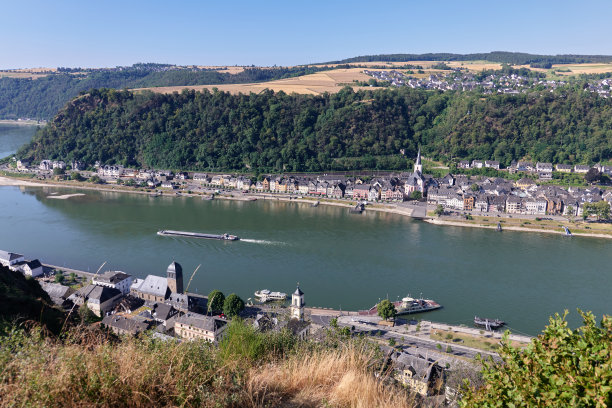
458,80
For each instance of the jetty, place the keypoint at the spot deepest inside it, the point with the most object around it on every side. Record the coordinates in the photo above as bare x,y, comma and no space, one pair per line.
223,237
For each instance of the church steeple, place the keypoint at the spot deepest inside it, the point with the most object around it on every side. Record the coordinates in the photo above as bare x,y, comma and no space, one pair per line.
418,167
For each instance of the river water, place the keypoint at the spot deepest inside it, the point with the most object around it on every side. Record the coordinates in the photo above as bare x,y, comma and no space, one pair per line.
341,260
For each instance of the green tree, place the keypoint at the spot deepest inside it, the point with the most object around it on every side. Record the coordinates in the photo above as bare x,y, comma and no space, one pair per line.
57,171
96,179
474,187
600,209
216,299
416,195
76,176
386,309
233,305
59,277
439,210
560,368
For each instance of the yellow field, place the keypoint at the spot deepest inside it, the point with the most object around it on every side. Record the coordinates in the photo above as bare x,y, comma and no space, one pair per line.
20,74
313,84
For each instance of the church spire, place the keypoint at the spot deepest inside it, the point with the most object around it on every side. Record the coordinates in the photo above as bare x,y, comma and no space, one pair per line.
418,167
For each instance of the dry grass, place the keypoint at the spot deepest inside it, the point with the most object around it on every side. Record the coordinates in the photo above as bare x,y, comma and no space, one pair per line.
341,377
88,368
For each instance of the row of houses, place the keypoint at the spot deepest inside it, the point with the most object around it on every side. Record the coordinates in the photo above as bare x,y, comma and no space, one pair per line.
524,196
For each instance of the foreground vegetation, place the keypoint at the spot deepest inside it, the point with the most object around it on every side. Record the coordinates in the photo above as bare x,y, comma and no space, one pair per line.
344,131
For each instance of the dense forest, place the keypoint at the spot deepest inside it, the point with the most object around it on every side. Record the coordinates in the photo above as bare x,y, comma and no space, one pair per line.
517,58
41,98
344,131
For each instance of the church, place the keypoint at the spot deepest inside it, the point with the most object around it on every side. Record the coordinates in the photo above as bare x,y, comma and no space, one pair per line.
158,288
415,181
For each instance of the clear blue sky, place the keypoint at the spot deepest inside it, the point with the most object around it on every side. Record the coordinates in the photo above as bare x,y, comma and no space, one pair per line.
106,33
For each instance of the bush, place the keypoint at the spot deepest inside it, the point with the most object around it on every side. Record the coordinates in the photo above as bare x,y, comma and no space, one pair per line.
560,368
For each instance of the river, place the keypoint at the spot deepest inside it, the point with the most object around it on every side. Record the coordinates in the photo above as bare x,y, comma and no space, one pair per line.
341,260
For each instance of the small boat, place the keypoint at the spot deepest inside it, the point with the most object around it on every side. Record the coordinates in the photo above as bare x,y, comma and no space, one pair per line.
499,227
567,231
266,295
223,237
489,324
315,204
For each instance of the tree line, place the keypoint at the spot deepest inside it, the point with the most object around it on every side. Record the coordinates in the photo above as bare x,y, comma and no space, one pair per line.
368,129
517,58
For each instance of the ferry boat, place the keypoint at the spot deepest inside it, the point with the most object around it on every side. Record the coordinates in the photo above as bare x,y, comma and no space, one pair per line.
265,295
489,324
223,237
407,305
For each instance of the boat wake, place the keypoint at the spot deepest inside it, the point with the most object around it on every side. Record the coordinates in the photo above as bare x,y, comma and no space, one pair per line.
262,241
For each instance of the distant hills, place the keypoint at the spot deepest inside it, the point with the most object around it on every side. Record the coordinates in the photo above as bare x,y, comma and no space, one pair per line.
517,58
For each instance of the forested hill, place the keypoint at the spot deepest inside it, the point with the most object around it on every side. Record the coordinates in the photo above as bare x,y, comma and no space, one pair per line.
41,98
344,131
519,58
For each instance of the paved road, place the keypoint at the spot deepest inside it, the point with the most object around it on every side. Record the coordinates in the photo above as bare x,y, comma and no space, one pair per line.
413,341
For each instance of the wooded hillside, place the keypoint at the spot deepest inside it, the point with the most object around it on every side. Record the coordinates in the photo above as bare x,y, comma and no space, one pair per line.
344,131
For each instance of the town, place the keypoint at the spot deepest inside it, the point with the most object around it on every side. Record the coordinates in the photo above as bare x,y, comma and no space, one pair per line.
454,193
457,80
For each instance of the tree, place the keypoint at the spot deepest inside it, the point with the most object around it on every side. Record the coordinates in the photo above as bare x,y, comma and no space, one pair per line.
560,368
76,176
96,179
416,195
59,277
593,175
386,309
600,209
216,299
475,187
57,171
439,210
233,305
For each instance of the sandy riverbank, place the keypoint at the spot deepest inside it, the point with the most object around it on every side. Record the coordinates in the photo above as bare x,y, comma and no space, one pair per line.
65,196
512,228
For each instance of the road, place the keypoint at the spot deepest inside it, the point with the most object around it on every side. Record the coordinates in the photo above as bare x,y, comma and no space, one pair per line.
410,340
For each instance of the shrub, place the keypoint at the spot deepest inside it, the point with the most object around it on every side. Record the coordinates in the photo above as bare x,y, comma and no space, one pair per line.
561,367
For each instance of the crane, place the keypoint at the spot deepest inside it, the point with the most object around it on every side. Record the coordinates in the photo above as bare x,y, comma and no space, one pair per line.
192,275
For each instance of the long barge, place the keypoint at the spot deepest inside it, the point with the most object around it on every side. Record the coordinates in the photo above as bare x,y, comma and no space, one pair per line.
223,237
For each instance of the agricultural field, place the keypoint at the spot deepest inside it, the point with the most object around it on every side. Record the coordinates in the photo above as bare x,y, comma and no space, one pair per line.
313,84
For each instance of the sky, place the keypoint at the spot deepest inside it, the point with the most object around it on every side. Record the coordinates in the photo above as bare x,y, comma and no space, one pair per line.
108,33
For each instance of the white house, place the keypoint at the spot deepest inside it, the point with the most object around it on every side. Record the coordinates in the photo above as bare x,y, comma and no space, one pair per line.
30,268
114,279
10,258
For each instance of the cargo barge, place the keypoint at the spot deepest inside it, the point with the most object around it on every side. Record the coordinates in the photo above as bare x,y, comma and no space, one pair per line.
223,237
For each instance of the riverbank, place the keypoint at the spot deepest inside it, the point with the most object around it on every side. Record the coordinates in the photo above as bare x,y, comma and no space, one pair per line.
387,208
514,223
546,228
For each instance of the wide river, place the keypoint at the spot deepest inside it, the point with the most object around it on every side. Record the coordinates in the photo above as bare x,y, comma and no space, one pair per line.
341,260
